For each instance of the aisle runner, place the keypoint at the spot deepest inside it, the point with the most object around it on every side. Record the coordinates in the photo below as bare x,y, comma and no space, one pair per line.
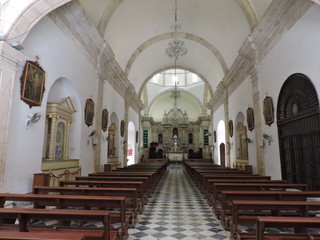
177,211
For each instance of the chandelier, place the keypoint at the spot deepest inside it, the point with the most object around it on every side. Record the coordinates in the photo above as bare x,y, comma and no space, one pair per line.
176,46
175,49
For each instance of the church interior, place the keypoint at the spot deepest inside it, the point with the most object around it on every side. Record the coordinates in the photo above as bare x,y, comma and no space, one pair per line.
179,88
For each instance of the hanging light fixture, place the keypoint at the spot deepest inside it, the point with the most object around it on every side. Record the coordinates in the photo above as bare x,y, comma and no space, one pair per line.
176,49
176,46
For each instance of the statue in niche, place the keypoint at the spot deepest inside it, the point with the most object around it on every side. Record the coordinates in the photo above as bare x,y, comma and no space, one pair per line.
111,140
241,144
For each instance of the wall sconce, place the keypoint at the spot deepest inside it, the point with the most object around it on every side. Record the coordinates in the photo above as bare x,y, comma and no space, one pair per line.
16,46
248,140
268,138
91,134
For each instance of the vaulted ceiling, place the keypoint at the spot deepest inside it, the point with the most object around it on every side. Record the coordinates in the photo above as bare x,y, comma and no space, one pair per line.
138,31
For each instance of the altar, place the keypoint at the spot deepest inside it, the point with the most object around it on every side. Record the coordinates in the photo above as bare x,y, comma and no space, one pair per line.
175,156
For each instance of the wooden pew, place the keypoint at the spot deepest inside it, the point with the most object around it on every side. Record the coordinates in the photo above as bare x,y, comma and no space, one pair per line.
25,215
64,201
287,222
131,195
247,211
62,235
225,210
113,184
146,180
216,189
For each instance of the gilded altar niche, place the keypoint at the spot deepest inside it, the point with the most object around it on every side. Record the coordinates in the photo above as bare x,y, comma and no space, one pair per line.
111,140
55,154
241,145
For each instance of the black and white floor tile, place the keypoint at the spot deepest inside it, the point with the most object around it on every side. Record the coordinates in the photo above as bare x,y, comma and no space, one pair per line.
177,210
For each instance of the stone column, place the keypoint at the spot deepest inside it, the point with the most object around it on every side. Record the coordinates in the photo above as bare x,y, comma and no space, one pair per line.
258,121
125,137
67,134
226,117
53,136
98,122
11,62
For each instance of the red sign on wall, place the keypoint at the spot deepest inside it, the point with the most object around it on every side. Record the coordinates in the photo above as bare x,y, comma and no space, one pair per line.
129,152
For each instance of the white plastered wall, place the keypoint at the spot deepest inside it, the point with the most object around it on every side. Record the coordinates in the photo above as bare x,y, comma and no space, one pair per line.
59,58
218,116
134,118
239,101
114,102
297,52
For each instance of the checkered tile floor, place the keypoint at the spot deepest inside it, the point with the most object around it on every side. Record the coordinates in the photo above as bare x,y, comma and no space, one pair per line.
177,210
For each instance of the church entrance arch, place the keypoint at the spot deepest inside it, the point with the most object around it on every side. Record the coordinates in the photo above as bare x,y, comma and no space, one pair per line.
299,131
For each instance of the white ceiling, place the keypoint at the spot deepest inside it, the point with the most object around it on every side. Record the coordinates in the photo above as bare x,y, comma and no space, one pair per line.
138,31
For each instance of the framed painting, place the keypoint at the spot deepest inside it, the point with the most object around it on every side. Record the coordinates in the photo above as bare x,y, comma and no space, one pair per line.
268,111
137,136
215,136
104,121
230,125
122,128
32,84
89,112
250,119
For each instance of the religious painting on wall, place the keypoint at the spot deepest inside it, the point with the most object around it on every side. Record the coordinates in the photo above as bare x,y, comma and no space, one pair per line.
230,128
104,122
89,112
32,84
250,119
137,136
268,110
215,136
122,128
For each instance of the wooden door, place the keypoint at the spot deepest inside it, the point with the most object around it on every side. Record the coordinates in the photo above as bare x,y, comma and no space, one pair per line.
222,149
299,131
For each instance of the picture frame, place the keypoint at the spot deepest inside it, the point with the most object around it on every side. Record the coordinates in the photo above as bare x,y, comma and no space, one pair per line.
89,112
104,121
215,136
122,128
268,110
230,125
137,136
250,119
32,84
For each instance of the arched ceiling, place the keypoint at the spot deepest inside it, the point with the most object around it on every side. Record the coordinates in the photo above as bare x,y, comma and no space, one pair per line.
138,31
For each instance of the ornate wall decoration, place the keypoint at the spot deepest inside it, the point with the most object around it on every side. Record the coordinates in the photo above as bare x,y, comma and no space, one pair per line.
250,119
104,122
268,111
230,125
122,128
32,84
89,112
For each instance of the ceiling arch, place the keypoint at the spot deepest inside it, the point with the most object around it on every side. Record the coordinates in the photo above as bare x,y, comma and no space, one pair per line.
164,36
178,67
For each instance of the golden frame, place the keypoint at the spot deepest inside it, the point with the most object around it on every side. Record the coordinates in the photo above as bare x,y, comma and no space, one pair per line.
250,119
104,120
230,125
32,84
122,128
268,111
89,112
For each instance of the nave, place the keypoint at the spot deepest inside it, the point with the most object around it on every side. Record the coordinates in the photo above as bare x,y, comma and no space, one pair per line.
177,210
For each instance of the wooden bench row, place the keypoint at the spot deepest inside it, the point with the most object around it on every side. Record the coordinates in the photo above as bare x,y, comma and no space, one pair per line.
245,203
123,193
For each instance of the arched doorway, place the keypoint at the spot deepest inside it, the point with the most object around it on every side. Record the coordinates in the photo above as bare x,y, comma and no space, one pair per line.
131,144
299,131
222,150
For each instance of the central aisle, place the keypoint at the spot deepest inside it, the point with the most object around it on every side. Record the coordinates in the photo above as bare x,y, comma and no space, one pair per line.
177,210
